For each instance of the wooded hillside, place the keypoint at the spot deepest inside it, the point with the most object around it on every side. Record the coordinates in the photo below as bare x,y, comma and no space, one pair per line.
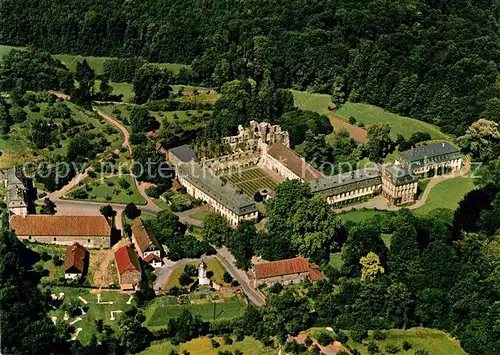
432,60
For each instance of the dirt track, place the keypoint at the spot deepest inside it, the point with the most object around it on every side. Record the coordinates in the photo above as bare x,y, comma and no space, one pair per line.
357,133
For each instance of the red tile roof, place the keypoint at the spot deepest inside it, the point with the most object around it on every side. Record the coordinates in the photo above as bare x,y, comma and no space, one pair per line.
281,268
75,258
151,257
315,273
293,162
34,225
127,260
144,238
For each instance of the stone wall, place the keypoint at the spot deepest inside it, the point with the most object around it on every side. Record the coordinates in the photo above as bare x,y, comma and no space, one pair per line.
85,241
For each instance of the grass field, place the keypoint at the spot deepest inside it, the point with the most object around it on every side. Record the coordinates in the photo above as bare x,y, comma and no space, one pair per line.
18,149
368,114
164,308
447,194
359,215
434,341
203,346
111,191
97,63
251,181
125,89
95,311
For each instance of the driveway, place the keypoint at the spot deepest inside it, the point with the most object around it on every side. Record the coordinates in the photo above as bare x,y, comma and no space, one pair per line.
228,261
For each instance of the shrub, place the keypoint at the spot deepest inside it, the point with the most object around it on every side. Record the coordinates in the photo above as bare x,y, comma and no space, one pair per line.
373,348
352,120
214,343
153,192
378,335
45,256
80,194
421,352
391,349
308,341
276,288
325,339
406,345
359,333
227,340
124,183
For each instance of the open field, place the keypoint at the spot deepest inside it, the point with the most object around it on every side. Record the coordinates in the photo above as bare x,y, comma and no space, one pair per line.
434,341
164,308
18,149
365,113
369,114
447,194
97,63
95,311
203,346
110,191
251,181
125,89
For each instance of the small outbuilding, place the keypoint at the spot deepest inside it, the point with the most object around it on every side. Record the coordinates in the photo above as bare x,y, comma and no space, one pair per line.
76,263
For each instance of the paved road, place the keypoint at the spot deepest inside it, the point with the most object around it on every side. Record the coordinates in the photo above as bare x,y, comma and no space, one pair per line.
228,261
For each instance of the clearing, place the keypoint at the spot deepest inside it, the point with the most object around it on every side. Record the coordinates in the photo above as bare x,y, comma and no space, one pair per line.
251,180
365,113
161,309
369,114
213,265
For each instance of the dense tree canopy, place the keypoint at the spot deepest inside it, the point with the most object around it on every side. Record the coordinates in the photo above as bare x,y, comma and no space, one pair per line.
430,60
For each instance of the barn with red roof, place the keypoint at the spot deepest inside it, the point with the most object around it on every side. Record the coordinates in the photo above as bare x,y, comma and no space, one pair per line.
128,267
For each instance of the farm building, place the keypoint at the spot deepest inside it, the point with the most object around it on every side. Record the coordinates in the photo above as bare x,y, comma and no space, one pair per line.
146,244
128,268
289,271
76,261
88,231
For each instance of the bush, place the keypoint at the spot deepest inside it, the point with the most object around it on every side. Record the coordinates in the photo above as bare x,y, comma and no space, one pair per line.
325,339
359,333
153,192
227,340
421,352
308,341
352,120
235,283
378,335
373,348
80,194
391,349
124,183
406,345
45,256
227,277
214,343
131,211
276,288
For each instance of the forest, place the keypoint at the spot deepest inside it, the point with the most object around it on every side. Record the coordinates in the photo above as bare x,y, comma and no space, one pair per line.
431,60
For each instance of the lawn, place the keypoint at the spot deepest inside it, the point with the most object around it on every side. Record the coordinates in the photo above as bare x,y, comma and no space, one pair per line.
200,215
203,346
18,149
213,265
95,311
6,49
164,308
251,181
369,114
434,341
55,271
125,89
313,102
447,194
175,67
109,190
359,215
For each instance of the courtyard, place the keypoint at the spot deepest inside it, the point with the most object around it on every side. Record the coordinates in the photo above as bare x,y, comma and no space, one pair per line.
251,180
